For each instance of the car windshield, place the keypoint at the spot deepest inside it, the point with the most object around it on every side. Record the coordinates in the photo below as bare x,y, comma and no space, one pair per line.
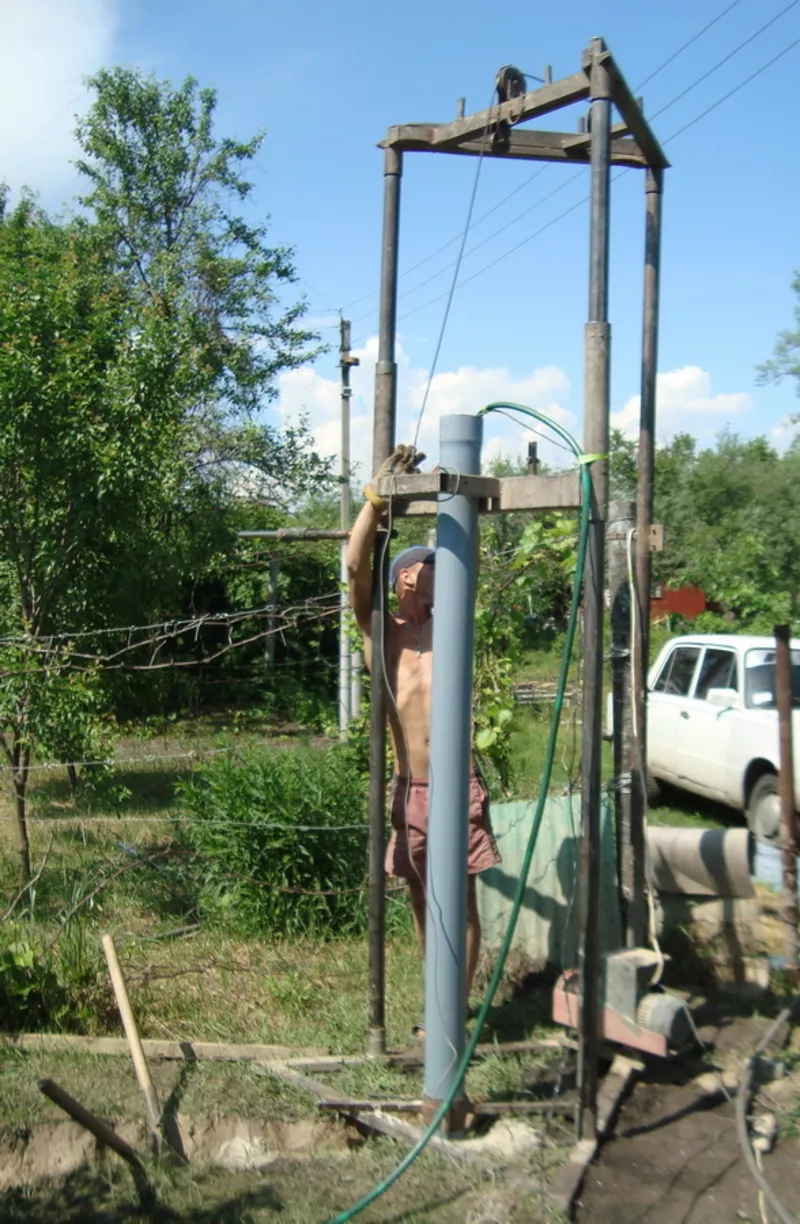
759,679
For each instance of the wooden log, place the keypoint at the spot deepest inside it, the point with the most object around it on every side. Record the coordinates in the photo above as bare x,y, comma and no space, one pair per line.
102,1132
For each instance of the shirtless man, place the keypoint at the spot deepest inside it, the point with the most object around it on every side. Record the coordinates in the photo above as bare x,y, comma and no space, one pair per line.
409,670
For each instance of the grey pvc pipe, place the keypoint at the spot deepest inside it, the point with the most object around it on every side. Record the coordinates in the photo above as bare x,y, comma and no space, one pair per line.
451,734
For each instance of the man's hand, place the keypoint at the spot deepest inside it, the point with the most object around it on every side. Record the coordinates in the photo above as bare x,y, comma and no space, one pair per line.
404,460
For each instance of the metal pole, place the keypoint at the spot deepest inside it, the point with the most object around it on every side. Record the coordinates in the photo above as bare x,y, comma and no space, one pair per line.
654,190
595,437
382,446
451,737
621,523
783,700
345,362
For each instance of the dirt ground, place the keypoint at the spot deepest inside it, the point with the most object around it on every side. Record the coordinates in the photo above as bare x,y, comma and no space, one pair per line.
674,1157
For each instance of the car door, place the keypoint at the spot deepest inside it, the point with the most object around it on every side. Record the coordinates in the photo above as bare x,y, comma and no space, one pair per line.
706,731
666,704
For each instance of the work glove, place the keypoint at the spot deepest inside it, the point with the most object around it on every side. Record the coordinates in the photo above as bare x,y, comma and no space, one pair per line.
403,461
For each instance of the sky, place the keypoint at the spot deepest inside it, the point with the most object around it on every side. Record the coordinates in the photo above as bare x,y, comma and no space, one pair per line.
325,81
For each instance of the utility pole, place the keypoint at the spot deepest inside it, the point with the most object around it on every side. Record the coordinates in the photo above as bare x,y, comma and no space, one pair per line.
346,362
595,439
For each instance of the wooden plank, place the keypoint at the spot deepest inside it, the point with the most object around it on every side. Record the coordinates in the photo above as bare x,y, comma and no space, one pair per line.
558,492
190,1051
535,102
526,144
568,1178
496,495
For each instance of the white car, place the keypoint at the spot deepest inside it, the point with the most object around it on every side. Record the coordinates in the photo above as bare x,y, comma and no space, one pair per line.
713,726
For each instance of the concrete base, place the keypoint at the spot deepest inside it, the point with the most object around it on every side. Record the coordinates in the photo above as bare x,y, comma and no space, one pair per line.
454,1121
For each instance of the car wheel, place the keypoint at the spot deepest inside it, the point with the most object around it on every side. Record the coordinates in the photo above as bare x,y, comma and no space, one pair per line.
764,809
655,790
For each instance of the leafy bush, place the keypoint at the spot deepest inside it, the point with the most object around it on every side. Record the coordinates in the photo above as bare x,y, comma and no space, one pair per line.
261,868
59,987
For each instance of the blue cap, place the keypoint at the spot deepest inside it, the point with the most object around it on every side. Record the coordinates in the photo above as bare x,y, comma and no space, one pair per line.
407,558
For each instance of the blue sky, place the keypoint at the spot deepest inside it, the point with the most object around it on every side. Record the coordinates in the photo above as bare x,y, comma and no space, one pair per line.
326,80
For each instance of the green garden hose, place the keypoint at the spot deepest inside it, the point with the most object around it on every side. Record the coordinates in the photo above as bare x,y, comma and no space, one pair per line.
444,1108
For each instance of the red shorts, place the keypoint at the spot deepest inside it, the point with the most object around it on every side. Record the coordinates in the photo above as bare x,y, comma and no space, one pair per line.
407,852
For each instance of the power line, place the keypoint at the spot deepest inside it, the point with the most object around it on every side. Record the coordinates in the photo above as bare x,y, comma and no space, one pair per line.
686,45
725,59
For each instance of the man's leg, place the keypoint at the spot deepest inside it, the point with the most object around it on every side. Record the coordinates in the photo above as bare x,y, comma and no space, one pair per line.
417,890
473,934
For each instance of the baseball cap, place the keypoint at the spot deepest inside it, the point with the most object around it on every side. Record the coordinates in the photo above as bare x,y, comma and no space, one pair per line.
407,558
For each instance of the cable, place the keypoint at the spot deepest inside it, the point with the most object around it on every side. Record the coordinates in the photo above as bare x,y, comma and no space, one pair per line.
456,271
381,1188
686,45
724,59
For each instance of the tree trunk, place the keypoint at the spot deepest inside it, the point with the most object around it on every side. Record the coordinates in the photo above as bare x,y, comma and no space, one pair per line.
72,774
20,760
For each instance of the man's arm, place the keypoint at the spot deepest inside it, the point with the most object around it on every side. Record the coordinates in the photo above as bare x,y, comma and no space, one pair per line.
359,557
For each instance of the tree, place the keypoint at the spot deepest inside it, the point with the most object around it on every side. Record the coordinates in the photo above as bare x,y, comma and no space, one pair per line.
786,356
90,433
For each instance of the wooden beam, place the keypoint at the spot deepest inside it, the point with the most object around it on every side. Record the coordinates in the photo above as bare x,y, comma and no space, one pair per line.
414,495
631,112
535,102
525,144
568,1178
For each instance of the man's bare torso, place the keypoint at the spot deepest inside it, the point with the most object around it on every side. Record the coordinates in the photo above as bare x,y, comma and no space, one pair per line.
409,664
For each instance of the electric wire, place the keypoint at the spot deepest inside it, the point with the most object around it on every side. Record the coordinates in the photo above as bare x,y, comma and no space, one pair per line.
719,64
685,46
381,1188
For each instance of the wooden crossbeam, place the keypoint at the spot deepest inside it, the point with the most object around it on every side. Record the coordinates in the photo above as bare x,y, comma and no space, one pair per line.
527,106
413,495
522,144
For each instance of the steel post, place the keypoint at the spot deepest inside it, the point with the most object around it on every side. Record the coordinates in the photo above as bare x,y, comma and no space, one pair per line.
621,527
783,700
451,737
382,446
654,188
344,471
595,436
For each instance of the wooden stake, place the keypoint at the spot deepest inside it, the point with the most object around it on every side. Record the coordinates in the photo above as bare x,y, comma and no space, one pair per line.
152,1108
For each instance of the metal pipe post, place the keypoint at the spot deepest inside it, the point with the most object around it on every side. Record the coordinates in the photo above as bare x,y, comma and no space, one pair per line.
654,190
595,437
382,447
783,700
344,522
451,738
621,525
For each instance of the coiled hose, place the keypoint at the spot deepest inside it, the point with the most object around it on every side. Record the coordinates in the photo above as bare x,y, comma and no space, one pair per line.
584,461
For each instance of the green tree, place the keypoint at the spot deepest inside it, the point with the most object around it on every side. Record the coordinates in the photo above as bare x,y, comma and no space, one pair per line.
89,433
785,360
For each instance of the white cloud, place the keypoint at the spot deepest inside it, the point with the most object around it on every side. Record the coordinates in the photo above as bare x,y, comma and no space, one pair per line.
684,401
306,392
46,49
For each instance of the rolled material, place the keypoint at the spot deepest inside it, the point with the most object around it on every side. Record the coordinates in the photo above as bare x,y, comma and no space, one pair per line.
700,862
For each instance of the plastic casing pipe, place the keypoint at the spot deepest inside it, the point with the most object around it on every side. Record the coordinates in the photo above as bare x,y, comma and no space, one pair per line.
451,736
